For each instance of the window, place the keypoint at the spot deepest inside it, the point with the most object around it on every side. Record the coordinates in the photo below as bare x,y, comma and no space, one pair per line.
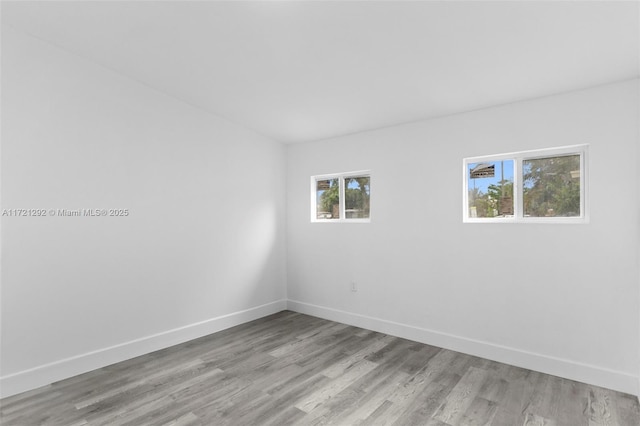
344,197
548,186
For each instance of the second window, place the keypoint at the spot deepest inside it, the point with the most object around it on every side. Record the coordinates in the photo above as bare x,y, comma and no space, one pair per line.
544,186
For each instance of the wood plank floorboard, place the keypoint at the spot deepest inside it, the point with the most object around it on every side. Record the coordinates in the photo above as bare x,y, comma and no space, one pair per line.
294,369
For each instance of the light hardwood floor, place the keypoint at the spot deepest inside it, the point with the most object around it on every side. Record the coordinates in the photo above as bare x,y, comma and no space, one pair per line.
291,368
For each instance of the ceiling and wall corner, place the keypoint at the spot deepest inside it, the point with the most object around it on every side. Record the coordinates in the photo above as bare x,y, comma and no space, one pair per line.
301,71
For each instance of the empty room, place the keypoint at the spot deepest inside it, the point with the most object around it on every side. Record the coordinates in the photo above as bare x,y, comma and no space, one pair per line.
320,212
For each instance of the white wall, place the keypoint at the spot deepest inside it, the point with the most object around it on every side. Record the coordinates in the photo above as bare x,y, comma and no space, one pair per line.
556,298
202,249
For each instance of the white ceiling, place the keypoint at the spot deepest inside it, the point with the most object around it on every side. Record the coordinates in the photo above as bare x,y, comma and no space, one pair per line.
300,71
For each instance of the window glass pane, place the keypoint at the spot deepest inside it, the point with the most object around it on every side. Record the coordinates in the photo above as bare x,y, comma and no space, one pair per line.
328,199
357,195
490,186
552,186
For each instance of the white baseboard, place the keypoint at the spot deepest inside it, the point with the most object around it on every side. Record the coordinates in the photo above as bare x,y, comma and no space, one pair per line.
49,373
611,379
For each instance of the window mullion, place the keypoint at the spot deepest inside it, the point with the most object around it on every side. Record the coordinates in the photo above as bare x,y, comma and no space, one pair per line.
583,185
342,200
518,192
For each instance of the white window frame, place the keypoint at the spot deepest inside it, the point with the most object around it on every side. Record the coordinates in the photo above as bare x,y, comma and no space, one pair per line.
341,178
518,204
